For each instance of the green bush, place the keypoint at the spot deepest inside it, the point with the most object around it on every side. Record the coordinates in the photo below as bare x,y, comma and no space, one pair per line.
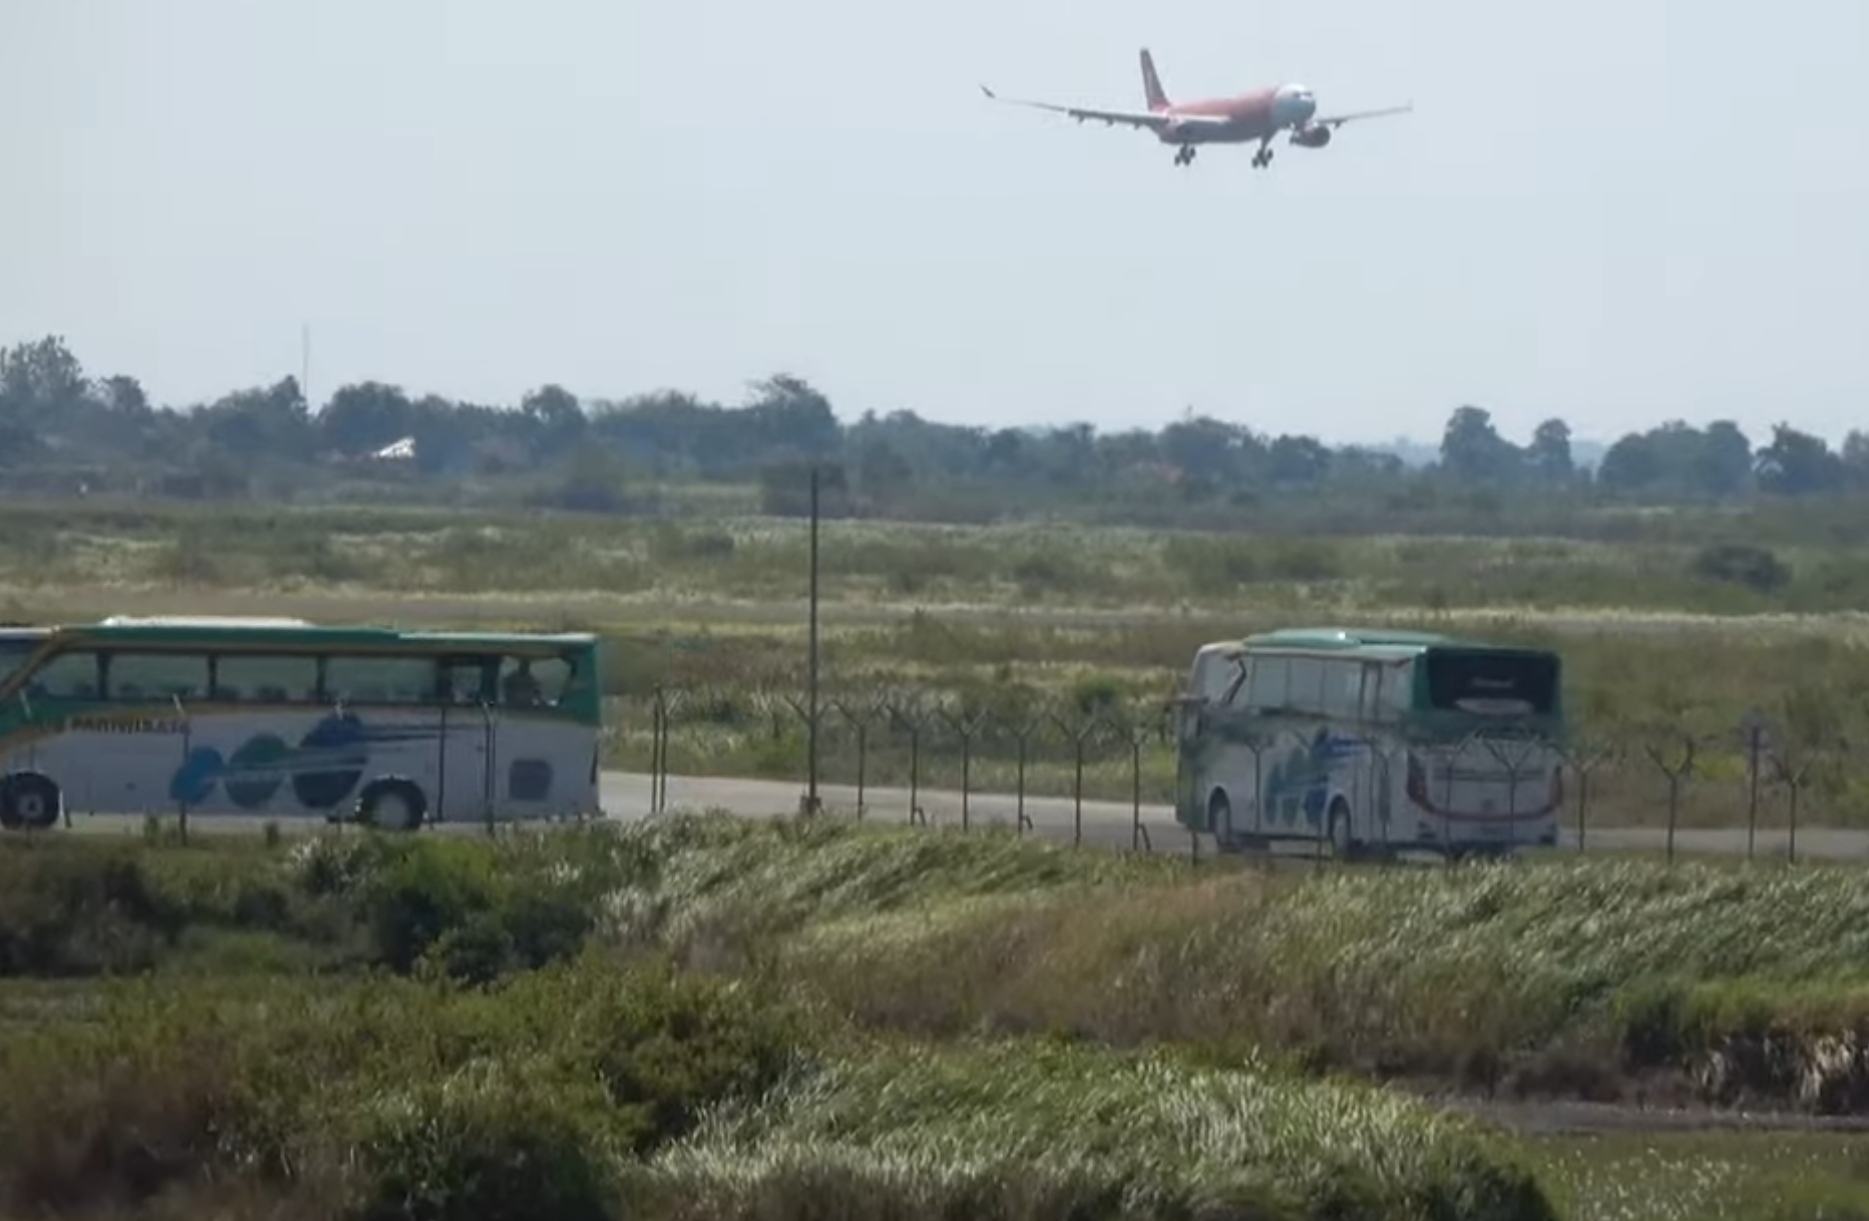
399,1097
79,912
498,1141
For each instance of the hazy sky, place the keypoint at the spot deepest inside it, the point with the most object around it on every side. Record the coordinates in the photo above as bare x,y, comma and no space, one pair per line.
1620,211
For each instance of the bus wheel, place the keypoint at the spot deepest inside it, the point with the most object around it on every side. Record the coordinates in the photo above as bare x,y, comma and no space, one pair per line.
1220,819
28,801
391,805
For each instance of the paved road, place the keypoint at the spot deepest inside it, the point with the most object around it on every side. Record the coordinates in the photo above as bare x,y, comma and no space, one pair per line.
628,796
1109,823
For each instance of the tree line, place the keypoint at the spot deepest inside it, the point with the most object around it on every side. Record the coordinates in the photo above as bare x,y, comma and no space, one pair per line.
61,426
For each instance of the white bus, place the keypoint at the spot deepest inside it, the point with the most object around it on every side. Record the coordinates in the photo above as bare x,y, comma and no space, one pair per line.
283,718
1370,742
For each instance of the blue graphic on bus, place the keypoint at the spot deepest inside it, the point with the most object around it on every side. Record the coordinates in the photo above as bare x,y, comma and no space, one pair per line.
1297,785
322,769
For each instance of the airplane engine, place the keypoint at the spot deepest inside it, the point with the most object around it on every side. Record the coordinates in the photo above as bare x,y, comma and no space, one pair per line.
1311,137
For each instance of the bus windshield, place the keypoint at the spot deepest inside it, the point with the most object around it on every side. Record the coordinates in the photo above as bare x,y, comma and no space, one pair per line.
1496,681
15,649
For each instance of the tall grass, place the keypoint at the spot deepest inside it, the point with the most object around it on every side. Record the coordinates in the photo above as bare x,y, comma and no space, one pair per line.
1028,1131
1594,979
1573,977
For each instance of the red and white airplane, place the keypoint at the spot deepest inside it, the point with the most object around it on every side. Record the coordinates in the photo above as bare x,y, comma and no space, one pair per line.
1257,115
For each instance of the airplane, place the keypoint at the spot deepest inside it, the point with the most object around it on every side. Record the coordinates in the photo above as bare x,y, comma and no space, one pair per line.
1260,114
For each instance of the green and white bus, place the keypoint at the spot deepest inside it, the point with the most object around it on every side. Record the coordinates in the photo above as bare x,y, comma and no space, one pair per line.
1371,742
284,718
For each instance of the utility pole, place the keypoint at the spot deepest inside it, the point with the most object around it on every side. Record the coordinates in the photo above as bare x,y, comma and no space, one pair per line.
812,804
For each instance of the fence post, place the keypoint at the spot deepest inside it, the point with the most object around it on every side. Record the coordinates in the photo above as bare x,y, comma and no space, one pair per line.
966,728
658,713
810,802
181,806
1676,767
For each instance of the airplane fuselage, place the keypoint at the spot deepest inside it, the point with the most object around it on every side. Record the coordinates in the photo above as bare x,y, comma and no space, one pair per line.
1256,115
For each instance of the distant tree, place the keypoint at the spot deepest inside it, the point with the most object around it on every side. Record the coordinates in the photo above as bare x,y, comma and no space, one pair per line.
40,382
60,427
1798,464
269,423
1298,461
1549,453
124,397
559,422
789,414
1631,464
1723,467
364,417
1679,460
1203,447
1855,457
1472,451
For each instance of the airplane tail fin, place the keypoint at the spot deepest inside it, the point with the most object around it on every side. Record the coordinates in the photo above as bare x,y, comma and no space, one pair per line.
1152,84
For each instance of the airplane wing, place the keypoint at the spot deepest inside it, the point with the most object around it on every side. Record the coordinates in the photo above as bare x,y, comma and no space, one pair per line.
1337,120
1133,118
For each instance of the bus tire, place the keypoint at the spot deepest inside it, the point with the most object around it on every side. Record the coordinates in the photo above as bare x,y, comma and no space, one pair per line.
29,801
392,803
1220,819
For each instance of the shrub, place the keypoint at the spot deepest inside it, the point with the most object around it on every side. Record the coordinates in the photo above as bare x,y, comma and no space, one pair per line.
401,1098
498,1141
1741,564
79,910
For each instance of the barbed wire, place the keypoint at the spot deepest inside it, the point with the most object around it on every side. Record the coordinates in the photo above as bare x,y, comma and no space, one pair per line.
1099,745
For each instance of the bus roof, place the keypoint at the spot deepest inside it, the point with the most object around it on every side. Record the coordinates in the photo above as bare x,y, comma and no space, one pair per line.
1388,641
297,632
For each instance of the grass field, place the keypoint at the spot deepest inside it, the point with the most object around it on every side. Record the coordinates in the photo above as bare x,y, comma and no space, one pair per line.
704,1018
1004,633
707,1017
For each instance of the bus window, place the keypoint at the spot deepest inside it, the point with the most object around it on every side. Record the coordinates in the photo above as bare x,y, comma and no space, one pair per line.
468,680
1214,674
1268,682
68,676
1486,681
1343,682
1398,687
1371,706
380,680
156,676
533,681
1305,690
266,678
14,650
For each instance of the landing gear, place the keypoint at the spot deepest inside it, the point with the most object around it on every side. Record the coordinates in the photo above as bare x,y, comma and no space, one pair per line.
1184,155
1263,157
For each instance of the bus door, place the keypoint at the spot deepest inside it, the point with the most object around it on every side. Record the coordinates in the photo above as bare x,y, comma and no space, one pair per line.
539,759
1215,673
468,696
